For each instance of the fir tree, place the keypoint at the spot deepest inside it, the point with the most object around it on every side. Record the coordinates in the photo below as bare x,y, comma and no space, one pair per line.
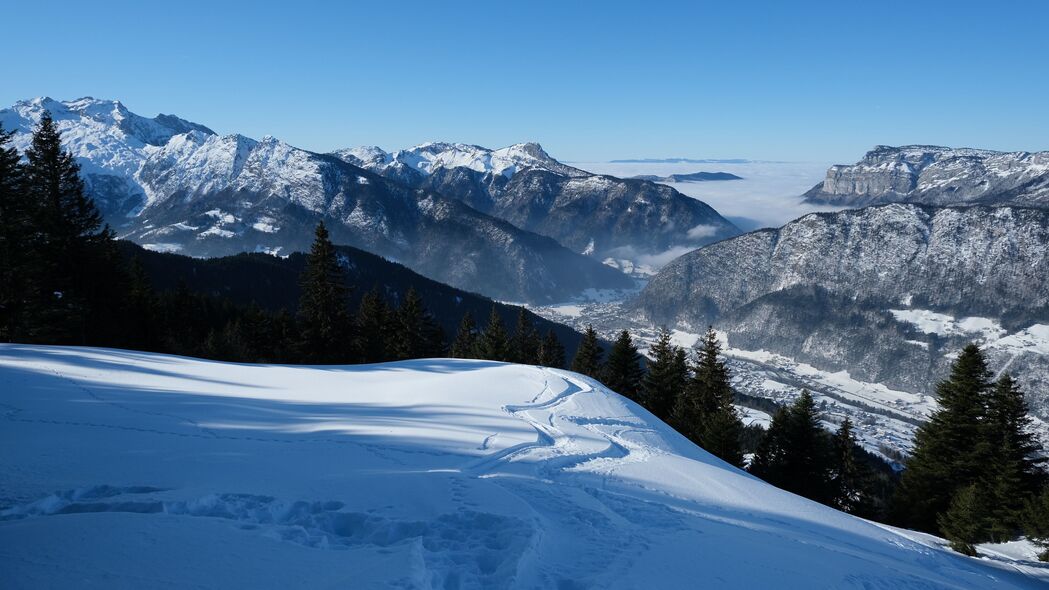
465,344
850,479
72,286
964,522
704,411
416,334
1036,522
525,342
15,216
947,455
666,376
588,356
795,453
494,344
373,325
324,318
1012,459
622,372
551,351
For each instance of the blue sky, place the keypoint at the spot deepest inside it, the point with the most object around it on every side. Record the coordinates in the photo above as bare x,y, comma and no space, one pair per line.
589,80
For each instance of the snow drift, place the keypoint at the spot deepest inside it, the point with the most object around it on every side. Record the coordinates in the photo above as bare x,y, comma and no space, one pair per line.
122,469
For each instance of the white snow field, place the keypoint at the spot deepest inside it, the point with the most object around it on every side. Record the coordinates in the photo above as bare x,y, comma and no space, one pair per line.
123,469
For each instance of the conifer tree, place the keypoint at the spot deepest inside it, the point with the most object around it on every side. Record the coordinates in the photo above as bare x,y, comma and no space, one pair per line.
704,411
964,521
73,257
795,453
373,328
15,216
622,372
465,344
587,358
1036,521
1012,459
666,376
324,318
947,455
416,334
494,344
551,351
850,479
525,342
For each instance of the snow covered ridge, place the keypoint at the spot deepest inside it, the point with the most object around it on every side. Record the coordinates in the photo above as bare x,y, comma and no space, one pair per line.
937,176
428,157
424,474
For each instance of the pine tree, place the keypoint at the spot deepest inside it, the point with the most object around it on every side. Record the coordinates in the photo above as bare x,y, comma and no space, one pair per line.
666,376
324,318
704,411
947,456
416,334
465,344
796,452
588,356
494,344
622,372
15,216
525,342
1012,459
1036,521
373,327
964,521
73,250
551,351
850,479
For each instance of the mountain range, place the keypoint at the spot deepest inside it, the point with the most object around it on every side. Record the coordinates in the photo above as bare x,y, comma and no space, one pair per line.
692,177
934,175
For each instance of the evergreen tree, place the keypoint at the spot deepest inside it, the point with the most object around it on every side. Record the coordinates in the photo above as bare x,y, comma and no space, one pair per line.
72,272
964,522
947,455
525,343
588,356
324,317
141,309
1012,459
551,351
704,411
373,328
1036,522
15,216
851,478
416,334
666,376
622,372
494,344
796,452
465,345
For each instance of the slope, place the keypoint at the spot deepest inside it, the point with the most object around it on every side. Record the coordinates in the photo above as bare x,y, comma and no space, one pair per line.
125,469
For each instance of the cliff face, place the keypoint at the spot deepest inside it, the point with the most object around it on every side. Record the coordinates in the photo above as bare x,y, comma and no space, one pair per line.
937,176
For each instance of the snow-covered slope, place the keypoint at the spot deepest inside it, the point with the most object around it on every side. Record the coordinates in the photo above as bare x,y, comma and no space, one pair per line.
128,470
427,158
935,175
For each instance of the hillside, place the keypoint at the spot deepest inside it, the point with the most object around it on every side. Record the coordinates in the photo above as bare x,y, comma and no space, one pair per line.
125,470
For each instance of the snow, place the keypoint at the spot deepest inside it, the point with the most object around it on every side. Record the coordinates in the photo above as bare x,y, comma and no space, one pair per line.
429,157
930,322
126,470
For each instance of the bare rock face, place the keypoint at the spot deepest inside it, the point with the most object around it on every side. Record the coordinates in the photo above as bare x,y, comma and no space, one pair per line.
937,176
888,293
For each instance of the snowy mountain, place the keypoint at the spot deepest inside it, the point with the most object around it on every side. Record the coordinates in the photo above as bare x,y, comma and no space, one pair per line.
423,474
600,215
887,293
935,175
176,186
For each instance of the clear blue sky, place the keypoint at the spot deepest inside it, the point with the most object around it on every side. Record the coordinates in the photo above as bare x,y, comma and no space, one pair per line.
589,80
